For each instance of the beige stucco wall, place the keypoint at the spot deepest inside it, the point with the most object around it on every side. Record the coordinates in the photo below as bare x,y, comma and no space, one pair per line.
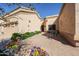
77,21
23,19
24,25
67,22
1,21
50,21
8,32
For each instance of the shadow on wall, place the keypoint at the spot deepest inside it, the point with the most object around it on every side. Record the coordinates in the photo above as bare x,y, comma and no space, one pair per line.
66,22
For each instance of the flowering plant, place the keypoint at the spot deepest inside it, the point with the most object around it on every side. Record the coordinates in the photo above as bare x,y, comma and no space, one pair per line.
37,51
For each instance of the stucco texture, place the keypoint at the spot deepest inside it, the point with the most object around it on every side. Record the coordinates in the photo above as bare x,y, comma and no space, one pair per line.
67,22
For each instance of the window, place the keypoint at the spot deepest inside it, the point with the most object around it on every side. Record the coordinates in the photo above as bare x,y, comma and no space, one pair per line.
29,21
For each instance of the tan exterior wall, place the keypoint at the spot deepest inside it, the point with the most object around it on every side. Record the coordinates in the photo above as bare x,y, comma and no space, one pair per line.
50,21
7,32
77,21
27,22
67,22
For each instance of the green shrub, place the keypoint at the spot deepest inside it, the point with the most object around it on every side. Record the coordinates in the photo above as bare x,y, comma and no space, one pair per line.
37,32
31,34
15,35
27,35
24,36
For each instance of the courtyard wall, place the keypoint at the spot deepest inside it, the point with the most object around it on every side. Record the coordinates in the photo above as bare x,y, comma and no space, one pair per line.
67,22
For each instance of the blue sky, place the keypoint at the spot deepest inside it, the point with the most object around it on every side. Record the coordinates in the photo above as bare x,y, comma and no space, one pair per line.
44,9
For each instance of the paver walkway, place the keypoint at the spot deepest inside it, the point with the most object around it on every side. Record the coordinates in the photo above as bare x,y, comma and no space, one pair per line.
52,46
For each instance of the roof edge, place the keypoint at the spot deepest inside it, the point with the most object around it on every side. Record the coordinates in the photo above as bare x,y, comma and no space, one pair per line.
28,10
51,16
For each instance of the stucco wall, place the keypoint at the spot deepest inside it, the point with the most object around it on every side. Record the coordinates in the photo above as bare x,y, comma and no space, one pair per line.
50,21
27,22
7,32
77,21
1,21
67,22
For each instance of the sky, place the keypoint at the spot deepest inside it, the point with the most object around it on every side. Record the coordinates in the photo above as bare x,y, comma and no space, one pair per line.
44,9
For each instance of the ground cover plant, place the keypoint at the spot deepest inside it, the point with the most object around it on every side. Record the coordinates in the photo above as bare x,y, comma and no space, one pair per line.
14,46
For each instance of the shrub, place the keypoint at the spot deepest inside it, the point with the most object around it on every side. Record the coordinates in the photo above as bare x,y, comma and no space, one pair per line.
15,35
31,34
37,32
27,35
24,36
